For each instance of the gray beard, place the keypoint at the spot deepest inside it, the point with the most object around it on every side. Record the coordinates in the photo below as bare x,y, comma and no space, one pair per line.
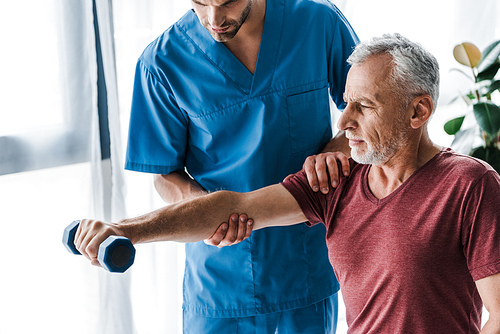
381,153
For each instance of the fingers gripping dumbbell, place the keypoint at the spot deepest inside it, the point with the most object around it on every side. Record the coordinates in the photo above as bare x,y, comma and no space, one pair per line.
116,254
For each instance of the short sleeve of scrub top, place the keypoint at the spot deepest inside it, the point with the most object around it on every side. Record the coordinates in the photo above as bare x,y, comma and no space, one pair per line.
170,138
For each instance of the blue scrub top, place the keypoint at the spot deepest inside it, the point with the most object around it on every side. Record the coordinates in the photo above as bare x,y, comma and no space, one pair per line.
195,106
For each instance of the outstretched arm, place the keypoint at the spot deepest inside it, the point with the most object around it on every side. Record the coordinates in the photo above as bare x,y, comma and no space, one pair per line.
194,220
179,186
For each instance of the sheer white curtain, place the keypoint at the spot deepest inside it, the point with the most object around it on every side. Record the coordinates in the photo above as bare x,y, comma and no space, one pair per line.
49,94
156,289
52,172
115,306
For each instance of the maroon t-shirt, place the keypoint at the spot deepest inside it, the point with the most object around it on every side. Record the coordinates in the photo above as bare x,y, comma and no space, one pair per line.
407,263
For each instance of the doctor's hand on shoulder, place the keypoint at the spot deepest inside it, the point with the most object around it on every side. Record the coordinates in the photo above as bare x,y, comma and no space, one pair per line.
324,170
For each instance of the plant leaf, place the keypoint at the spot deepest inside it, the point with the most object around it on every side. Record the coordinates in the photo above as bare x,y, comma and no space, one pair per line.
489,72
467,54
494,86
453,126
466,139
490,48
488,117
489,64
490,154
469,97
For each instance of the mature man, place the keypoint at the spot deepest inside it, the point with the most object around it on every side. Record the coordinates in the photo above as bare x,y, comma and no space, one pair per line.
227,98
413,233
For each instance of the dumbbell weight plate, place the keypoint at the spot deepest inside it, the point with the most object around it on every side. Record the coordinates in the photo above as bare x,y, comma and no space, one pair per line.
116,254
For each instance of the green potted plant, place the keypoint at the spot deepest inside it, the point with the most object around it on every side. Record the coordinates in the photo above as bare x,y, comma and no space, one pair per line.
484,67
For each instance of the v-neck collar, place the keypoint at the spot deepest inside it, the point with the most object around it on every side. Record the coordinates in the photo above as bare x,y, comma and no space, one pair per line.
228,64
380,201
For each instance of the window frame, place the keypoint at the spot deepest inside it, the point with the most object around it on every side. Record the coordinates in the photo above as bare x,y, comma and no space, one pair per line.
69,142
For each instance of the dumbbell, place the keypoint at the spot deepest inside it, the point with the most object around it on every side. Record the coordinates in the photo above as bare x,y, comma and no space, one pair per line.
116,254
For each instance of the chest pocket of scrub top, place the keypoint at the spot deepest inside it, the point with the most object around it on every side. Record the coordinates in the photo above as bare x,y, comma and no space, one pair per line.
309,120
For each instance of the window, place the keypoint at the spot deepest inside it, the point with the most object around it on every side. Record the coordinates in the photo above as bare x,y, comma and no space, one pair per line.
44,103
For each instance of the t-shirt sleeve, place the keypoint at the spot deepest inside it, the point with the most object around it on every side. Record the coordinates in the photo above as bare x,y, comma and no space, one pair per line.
311,203
158,127
481,227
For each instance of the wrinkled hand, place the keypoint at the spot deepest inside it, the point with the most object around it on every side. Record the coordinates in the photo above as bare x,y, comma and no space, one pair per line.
89,236
321,167
237,229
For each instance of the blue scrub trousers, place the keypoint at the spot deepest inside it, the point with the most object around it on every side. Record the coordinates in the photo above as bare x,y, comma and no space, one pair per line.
319,318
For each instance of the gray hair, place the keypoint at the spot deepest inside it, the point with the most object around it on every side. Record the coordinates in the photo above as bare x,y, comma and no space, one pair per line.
415,72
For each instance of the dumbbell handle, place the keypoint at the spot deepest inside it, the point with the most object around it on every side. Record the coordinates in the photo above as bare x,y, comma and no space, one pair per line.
116,254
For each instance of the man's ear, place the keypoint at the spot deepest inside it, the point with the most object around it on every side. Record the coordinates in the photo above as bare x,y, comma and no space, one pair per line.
421,110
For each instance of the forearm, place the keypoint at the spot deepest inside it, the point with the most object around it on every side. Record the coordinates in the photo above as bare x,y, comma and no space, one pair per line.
338,144
184,221
177,186
193,220
197,219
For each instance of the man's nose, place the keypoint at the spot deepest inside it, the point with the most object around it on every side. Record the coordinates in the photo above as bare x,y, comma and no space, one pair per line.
216,17
346,120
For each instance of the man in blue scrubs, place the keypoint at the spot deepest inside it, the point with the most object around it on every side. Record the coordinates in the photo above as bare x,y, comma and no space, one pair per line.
235,96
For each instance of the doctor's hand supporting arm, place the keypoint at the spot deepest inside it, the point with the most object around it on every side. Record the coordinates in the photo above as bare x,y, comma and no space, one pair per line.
179,186
193,220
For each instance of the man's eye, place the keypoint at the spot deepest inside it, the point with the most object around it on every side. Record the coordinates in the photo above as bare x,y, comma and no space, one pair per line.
229,3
